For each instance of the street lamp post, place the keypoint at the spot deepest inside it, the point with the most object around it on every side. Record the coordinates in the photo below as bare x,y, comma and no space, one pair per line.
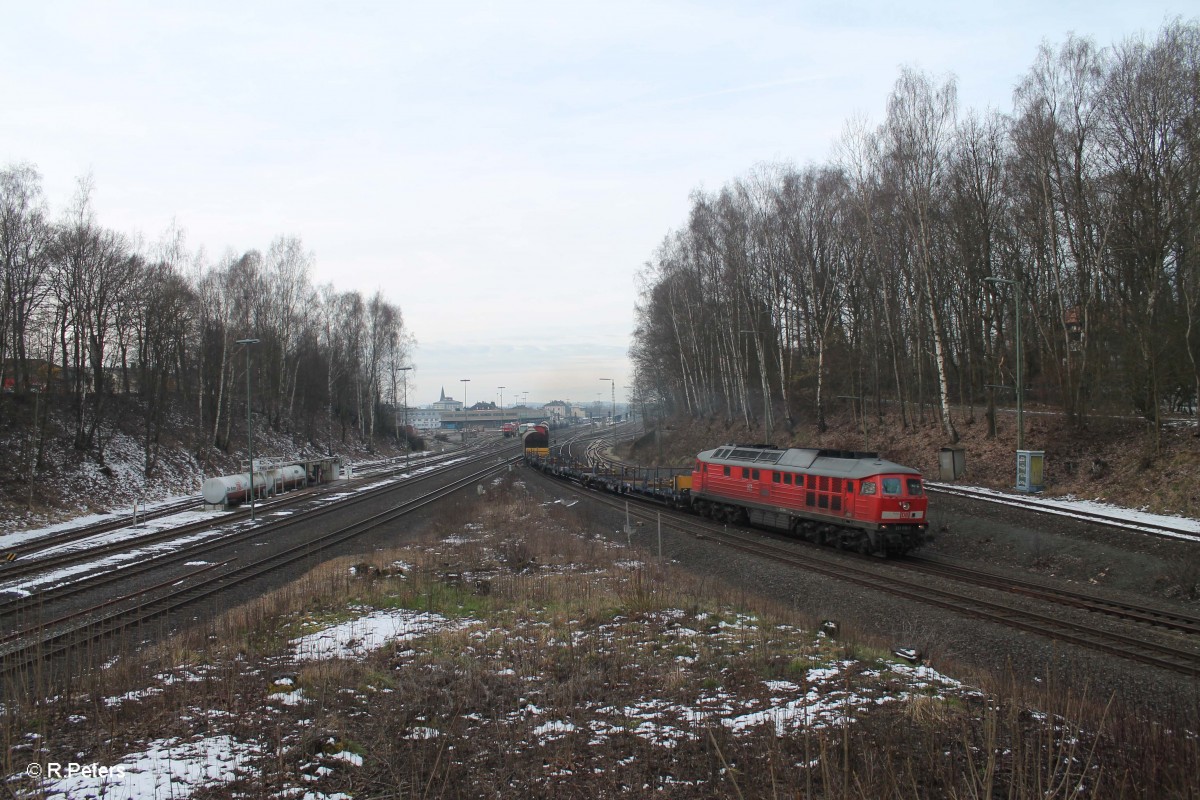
501,407
464,382
613,419
249,421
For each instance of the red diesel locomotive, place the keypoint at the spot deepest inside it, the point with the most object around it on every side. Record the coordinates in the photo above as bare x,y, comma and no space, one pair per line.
849,500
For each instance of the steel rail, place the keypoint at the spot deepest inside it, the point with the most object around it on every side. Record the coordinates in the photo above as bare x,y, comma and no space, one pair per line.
1108,520
1148,615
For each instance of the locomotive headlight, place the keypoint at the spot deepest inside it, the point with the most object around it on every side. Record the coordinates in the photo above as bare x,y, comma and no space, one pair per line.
904,505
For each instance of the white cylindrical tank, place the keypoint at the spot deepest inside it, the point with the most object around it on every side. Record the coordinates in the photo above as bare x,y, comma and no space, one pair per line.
233,489
288,477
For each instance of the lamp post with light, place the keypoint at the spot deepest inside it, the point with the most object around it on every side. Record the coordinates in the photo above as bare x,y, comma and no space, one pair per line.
464,382
613,419
501,407
249,421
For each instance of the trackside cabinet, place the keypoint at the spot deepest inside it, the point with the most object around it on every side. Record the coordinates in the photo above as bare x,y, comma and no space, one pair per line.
1031,470
952,463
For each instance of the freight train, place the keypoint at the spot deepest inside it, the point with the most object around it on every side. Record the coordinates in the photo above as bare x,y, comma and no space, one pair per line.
536,440
849,500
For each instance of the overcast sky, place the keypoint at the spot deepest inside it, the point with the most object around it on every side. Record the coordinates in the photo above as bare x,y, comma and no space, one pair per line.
502,171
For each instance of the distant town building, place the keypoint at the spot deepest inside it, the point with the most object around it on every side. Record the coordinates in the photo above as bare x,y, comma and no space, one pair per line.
560,410
557,410
447,403
418,418
425,419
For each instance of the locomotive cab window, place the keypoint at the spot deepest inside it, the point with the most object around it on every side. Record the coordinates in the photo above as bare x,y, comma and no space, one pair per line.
745,472
754,474
868,487
891,486
787,478
914,487
775,477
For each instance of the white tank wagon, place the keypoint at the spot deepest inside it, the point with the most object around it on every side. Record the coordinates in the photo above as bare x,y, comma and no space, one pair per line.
269,479
287,478
231,490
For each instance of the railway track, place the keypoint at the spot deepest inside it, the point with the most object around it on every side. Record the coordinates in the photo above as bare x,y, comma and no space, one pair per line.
590,447
585,447
22,649
80,532
20,551
1156,617
59,556
1132,612
17,609
893,577
1044,507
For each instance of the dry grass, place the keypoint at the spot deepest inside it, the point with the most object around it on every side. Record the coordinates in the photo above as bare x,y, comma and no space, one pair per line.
570,667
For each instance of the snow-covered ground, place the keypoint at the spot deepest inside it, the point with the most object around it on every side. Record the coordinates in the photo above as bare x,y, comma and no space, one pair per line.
166,768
